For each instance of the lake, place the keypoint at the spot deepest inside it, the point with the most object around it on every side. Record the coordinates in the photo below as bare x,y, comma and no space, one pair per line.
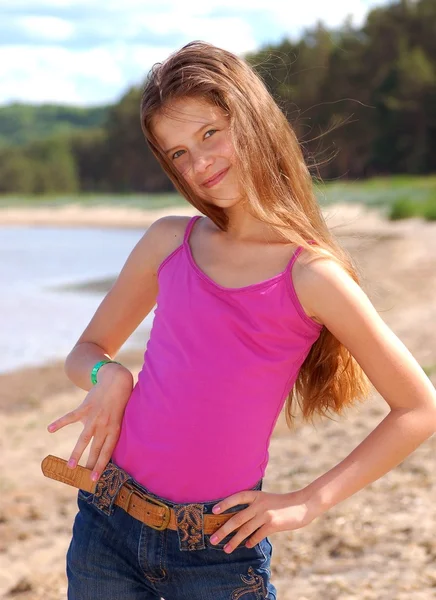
51,282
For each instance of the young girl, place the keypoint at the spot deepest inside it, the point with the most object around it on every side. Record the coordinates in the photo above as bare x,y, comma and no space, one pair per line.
257,304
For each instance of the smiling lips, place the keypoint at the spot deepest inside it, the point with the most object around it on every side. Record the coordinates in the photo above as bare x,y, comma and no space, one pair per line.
216,178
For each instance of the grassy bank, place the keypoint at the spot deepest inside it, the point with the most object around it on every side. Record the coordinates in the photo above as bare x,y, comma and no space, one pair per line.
397,197
145,201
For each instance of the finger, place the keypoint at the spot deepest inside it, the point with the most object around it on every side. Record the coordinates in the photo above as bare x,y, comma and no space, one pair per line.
71,417
246,497
257,537
83,441
96,448
242,534
104,457
232,524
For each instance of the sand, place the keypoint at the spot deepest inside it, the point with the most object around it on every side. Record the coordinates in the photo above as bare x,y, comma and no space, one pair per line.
77,215
380,544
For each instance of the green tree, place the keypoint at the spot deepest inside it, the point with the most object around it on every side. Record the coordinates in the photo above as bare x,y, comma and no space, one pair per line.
362,102
55,169
17,172
91,156
131,165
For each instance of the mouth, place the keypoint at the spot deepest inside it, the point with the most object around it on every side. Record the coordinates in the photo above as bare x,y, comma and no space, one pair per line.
216,178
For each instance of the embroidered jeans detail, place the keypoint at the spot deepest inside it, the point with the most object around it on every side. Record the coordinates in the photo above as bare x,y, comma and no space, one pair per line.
108,486
118,556
254,584
189,519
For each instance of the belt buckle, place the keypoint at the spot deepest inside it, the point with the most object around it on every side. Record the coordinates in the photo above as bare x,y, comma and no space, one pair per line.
166,516
141,494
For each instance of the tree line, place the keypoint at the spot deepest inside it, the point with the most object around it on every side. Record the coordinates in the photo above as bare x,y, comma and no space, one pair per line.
362,102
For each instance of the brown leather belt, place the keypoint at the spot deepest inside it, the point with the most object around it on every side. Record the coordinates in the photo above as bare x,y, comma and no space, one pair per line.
139,505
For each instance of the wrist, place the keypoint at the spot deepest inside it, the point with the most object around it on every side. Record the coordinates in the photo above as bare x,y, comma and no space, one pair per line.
112,371
311,498
318,499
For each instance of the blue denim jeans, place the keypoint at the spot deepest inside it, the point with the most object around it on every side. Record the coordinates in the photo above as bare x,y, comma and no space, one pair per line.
113,556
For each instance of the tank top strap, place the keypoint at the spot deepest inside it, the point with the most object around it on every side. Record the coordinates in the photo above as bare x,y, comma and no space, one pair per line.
296,254
189,227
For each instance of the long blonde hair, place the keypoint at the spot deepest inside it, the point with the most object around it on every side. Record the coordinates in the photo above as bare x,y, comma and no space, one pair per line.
279,188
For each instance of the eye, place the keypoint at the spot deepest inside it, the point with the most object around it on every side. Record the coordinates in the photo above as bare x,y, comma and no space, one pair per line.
210,131
176,154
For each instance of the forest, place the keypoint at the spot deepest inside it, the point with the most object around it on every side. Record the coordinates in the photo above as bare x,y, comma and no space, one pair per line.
361,100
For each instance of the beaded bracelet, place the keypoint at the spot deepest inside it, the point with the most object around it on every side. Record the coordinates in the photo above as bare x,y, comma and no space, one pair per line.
98,366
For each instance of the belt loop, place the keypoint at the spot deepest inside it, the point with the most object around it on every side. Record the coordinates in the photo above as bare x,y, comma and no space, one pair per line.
129,497
190,526
111,481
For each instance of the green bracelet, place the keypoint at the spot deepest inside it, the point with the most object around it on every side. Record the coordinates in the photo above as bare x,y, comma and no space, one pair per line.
98,366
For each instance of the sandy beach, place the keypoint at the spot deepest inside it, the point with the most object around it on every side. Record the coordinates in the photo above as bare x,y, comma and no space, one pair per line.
77,215
380,544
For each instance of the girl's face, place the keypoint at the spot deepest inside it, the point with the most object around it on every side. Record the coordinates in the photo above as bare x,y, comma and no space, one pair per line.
194,134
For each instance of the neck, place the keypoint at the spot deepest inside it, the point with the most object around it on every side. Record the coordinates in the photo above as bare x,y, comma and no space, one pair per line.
244,227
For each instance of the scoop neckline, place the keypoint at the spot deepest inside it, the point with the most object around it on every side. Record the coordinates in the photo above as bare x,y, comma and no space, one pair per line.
222,288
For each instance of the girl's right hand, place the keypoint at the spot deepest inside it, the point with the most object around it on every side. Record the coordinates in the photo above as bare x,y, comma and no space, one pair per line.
101,413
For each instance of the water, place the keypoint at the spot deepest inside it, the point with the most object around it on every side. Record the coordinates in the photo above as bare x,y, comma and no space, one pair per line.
39,320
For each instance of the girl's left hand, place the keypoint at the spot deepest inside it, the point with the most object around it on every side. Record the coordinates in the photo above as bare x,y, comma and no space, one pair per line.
267,513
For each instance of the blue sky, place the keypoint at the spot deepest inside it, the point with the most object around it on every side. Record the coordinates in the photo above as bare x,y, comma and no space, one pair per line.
87,52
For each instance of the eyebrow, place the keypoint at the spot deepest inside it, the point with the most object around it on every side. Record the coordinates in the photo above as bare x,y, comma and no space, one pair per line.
196,133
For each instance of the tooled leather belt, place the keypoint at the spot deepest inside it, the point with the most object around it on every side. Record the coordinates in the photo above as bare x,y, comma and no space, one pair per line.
136,503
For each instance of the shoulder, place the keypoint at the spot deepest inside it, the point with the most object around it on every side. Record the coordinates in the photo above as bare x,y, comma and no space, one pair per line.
311,268
321,284
168,228
163,236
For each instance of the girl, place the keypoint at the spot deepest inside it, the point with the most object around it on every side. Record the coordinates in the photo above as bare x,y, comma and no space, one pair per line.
257,304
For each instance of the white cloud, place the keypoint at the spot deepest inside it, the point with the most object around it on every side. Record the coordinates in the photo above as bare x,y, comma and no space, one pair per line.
232,33
87,53
331,13
29,5
36,79
57,61
55,74
295,14
47,28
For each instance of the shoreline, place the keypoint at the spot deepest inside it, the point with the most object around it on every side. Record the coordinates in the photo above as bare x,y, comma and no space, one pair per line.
344,219
357,227
77,215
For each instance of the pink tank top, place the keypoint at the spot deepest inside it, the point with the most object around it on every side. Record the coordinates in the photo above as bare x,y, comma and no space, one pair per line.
218,367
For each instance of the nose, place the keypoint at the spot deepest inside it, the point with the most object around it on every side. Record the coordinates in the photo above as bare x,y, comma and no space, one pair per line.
200,162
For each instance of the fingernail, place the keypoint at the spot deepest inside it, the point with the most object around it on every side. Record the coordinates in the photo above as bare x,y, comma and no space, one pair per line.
51,427
214,539
71,463
226,548
216,509
94,476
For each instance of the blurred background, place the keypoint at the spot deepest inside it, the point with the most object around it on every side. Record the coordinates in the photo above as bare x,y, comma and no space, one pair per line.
357,80
78,187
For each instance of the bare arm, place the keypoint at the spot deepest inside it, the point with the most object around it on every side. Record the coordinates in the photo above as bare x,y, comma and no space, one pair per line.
126,305
130,299
330,296
338,302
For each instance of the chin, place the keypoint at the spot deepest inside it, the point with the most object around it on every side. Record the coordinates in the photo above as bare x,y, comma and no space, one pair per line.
223,202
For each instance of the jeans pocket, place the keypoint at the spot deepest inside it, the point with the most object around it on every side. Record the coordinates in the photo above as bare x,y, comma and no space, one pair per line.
260,550
85,496
220,545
